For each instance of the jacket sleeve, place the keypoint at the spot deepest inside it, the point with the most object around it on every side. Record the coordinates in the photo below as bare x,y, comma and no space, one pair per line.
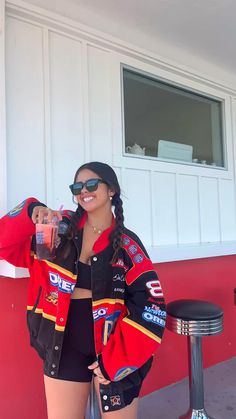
138,334
16,230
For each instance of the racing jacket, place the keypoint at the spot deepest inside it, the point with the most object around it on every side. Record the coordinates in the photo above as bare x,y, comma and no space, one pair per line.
127,300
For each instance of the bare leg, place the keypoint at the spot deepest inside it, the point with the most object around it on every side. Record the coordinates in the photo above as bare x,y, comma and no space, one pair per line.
66,399
130,411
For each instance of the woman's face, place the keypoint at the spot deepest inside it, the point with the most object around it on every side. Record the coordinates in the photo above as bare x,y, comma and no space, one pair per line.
91,201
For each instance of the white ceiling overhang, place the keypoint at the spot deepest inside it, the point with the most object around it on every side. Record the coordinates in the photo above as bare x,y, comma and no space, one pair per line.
204,30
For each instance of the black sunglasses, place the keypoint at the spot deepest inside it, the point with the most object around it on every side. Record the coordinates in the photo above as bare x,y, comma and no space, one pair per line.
91,185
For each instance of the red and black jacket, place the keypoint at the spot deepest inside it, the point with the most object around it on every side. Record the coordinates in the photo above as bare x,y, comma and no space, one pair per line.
128,305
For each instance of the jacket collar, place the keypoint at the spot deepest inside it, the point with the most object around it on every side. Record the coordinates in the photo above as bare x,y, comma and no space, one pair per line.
103,240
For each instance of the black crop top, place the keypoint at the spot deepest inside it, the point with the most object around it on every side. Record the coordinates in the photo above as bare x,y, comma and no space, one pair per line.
84,276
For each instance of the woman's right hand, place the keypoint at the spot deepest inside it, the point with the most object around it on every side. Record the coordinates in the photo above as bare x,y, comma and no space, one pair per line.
40,212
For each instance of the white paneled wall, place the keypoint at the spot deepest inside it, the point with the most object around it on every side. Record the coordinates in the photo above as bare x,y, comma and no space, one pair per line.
188,209
227,209
3,169
99,94
164,211
66,145
209,209
137,202
24,111
64,108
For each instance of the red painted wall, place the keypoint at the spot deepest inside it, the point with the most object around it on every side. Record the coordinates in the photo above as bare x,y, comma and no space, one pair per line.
21,378
210,279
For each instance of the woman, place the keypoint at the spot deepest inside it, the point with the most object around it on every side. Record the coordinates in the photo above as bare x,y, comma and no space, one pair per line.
97,309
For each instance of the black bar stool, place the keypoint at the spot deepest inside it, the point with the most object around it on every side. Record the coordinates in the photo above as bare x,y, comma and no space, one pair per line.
194,319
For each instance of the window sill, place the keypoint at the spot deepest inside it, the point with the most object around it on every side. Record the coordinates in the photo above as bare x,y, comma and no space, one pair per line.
154,164
159,254
11,271
175,161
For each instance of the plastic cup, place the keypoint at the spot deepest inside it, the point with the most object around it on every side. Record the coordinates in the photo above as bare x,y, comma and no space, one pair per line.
46,238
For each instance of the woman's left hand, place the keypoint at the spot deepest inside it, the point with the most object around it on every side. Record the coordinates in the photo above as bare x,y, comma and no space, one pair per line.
101,379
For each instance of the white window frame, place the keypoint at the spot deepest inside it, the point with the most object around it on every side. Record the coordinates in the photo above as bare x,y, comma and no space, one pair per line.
181,88
122,158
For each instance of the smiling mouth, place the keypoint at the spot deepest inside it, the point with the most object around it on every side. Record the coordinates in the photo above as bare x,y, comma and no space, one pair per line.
87,199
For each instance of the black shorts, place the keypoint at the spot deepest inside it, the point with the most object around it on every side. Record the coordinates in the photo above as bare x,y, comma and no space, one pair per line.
78,350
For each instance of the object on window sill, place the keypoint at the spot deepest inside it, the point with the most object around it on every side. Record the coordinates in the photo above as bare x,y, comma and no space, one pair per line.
135,149
176,151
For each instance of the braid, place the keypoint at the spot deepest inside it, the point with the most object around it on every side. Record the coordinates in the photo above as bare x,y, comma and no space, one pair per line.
116,235
73,227
72,231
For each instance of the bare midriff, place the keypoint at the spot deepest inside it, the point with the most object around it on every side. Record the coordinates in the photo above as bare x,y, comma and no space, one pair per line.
80,293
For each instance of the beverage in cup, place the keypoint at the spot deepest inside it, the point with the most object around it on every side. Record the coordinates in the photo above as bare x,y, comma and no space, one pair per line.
46,238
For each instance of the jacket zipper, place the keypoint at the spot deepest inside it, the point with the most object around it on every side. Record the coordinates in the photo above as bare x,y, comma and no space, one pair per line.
38,298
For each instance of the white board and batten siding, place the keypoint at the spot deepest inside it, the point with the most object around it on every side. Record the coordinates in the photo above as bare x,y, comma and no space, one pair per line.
3,168
64,107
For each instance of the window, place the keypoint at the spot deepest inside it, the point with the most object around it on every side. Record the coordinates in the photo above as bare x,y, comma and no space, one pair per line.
170,123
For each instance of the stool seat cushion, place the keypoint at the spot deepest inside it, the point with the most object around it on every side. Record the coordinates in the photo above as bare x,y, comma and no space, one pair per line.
194,310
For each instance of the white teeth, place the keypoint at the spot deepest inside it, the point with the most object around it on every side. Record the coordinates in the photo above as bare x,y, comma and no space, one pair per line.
88,199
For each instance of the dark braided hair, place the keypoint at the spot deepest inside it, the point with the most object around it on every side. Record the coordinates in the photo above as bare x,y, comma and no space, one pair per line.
116,234
71,233
105,172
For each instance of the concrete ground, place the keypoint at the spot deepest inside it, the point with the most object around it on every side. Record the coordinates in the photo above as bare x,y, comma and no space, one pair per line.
172,401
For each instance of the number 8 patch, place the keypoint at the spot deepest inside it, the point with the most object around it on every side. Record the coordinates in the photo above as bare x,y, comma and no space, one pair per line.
154,288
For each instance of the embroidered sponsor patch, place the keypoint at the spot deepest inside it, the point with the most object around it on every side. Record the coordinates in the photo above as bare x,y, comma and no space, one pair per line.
109,325
138,258
149,317
99,313
115,400
155,307
63,284
154,288
132,249
52,297
155,310
123,372
126,240
119,277
120,264
17,210
119,290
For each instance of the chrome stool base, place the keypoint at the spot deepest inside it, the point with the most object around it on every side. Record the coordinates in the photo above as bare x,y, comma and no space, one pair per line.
195,319
93,403
196,414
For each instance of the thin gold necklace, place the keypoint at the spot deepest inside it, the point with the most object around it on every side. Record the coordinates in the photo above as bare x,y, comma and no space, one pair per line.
96,230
